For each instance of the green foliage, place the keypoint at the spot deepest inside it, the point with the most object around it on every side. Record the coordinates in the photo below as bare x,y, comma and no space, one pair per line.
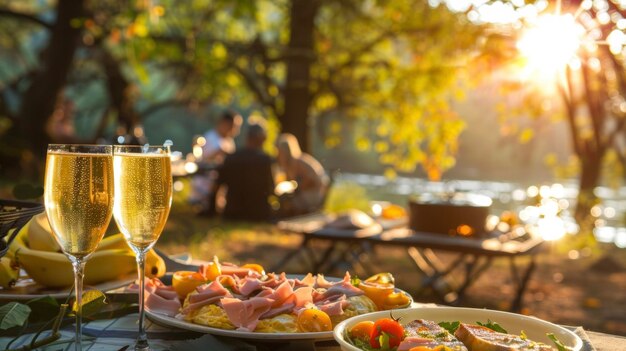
345,196
13,314
391,69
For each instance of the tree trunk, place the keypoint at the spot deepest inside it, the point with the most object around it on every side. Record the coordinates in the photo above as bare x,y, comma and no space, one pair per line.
295,117
120,94
40,98
589,179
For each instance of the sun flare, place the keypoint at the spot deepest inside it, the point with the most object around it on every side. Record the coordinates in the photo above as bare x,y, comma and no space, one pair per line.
550,43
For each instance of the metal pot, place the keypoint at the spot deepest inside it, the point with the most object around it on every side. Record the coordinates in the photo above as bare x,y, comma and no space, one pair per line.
454,213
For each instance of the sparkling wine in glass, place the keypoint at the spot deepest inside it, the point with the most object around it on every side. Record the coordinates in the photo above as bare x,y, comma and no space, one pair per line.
79,201
143,197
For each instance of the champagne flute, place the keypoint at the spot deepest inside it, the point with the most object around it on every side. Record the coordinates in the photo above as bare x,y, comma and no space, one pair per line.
79,200
143,197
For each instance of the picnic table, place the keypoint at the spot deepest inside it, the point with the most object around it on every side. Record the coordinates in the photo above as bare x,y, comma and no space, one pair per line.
118,333
356,248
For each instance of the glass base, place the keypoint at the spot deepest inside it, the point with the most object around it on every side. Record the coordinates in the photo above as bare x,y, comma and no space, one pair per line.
142,345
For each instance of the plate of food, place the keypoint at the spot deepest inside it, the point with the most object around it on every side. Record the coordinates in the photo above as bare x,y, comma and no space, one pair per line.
245,302
452,329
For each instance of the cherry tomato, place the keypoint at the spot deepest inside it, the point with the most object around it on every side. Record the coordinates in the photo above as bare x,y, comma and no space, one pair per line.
389,326
362,330
312,320
185,282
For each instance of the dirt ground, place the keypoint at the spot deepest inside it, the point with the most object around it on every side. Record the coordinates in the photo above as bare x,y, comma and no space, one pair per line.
563,289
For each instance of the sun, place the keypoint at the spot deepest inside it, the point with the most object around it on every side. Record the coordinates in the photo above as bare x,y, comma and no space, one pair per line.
550,43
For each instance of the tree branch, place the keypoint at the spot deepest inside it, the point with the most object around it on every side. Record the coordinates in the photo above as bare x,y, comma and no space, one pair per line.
4,12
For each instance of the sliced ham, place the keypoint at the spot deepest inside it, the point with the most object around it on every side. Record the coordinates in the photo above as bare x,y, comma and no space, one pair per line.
166,293
159,298
231,269
308,280
342,288
334,308
158,304
303,296
281,294
207,291
321,282
249,285
192,306
245,314
285,308
413,341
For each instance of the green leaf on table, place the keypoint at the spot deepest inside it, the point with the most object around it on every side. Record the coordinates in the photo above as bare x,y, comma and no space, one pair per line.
43,308
558,343
451,327
13,314
93,302
493,326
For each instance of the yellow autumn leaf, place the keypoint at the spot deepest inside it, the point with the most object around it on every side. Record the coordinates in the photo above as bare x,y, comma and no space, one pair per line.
390,173
526,135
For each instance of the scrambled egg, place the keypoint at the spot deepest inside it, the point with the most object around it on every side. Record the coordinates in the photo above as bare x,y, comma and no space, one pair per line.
212,316
358,305
283,323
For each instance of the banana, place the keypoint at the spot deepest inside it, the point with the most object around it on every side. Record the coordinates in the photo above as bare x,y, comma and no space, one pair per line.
33,250
8,273
54,269
115,241
155,266
40,234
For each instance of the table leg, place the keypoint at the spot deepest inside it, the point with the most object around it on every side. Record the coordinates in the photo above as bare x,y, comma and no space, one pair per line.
433,270
522,283
325,259
280,265
473,270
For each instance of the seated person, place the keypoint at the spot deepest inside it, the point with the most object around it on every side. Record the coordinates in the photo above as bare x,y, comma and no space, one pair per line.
306,171
218,142
247,174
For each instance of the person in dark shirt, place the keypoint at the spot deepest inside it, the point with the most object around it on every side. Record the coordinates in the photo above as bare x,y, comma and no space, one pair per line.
247,174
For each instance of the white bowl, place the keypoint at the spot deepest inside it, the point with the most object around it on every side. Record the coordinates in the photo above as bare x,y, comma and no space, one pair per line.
535,328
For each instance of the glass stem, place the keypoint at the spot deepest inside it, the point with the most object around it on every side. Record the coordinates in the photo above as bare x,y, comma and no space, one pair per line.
142,339
79,268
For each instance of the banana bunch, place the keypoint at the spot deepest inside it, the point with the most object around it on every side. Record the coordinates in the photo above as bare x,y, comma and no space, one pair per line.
36,251
9,272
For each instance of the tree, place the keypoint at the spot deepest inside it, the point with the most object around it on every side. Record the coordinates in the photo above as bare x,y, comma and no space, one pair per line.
592,89
386,70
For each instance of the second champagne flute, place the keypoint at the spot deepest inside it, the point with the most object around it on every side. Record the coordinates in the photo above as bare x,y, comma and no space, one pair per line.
142,201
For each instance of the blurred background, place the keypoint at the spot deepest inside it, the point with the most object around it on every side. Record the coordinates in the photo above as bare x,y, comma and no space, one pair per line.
523,101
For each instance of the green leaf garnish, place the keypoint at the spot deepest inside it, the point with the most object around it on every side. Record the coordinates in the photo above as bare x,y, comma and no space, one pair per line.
558,343
383,339
13,314
493,326
355,281
451,327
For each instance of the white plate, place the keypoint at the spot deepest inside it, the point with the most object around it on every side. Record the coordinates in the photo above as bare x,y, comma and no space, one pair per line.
28,289
535,328
173,322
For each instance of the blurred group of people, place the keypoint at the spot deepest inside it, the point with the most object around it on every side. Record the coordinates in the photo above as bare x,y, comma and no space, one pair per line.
246,183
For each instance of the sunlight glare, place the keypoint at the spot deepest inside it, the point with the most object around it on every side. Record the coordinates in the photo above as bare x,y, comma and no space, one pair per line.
551,43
